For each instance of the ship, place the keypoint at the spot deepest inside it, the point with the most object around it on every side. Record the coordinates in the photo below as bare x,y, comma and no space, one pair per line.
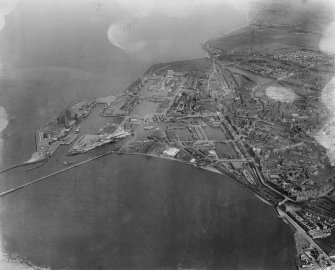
67,163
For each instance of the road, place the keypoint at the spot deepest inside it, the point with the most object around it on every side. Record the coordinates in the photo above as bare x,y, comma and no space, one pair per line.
212,74
299,229
234,160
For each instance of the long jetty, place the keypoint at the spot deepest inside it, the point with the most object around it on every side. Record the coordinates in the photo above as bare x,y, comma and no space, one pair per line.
52,174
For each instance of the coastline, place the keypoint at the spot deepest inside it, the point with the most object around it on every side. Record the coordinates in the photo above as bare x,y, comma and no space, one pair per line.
139,154
98,210
217,187
208,169
121,93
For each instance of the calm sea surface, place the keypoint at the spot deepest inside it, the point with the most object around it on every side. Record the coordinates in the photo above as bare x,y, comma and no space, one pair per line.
118,212
132,212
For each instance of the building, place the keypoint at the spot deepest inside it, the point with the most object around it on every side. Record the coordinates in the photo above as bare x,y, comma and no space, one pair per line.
171,151
170,74
317,233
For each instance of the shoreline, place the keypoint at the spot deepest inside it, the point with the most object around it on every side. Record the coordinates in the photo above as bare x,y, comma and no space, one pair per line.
124,91
208,169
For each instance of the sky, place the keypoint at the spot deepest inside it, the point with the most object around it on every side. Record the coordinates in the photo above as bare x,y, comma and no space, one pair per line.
129,18
133,26
121,32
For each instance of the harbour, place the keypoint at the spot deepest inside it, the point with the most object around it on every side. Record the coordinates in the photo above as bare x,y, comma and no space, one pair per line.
101,210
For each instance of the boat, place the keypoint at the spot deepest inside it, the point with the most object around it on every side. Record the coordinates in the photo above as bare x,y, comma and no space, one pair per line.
67,163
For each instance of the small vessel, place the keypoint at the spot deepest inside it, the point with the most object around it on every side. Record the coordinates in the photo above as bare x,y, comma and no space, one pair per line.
67,163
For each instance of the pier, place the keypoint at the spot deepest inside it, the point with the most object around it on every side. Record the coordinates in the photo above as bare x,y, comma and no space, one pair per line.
52,174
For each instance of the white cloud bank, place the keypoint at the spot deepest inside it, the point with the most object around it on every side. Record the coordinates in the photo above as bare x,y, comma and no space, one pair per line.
118,36
6,8
326,136
3,125
327,43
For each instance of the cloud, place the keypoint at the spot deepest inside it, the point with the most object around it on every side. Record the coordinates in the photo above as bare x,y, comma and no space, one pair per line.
3,119
327,43
114,34
281,93
328,96
3,125
326,135
6,8
119,36
2,22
